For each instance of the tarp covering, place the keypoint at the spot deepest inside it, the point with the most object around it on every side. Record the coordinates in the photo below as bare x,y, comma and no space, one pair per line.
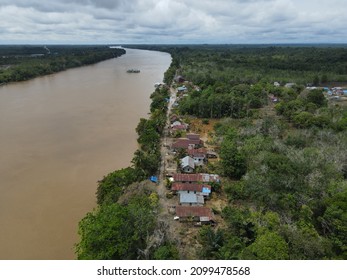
154,179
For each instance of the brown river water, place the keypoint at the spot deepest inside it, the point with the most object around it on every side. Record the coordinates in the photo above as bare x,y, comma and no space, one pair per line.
60,134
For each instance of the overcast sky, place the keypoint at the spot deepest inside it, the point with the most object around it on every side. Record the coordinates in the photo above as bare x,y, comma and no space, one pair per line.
173,21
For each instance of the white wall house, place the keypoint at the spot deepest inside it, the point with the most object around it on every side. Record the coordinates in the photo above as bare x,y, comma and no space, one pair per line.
187,164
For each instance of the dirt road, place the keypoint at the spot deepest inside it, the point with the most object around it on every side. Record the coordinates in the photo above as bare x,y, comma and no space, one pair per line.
164,202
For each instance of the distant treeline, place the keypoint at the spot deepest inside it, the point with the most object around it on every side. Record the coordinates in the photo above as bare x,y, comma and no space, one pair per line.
207,65
20,63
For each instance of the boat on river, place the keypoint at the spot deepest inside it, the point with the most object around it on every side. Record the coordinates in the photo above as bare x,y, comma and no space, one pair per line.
133,71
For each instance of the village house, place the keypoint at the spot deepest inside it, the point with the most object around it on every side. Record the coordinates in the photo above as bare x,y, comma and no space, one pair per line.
201,189
179,79
191,199
181,127
203,215
194,178
199,155
178,126
182,89
176,123
289,85
185,143
193,136
185,178
187,164
311,88
174,118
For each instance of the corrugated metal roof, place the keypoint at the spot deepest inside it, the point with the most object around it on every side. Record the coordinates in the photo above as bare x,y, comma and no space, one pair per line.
193,136
179,127
187,211
185,143
176,123
191,198
201,152
182,88
178,177
176,186
209,177
187,161
200,177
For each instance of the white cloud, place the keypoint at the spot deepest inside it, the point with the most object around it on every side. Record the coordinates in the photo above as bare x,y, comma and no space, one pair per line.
172,21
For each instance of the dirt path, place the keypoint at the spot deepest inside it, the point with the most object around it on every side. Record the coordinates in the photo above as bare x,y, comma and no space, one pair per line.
164,215
181,234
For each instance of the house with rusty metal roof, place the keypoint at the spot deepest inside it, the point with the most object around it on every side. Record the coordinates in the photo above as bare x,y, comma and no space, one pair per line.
194,178
193,136
197,214
185,143
202,189
199,155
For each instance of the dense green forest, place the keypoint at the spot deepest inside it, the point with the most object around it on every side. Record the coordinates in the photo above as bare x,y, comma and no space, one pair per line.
19,63
230,65
283,163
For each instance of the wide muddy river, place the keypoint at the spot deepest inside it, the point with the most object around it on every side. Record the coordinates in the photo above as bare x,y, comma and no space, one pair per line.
59,135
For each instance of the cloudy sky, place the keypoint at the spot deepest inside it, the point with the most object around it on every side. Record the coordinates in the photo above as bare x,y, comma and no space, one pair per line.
173,21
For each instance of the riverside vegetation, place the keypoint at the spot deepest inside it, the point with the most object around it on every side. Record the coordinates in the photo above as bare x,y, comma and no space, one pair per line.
20,63
284,165
120,226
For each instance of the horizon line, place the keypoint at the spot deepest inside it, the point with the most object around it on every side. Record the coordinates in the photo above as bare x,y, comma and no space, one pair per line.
168,44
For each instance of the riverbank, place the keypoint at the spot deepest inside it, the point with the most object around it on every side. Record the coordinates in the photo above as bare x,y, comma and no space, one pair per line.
23,63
